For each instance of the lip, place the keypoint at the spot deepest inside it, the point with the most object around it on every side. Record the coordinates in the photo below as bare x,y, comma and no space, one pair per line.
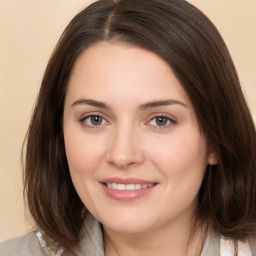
127,181
127,195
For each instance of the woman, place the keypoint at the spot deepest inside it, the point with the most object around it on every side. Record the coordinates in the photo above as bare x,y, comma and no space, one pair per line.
141,142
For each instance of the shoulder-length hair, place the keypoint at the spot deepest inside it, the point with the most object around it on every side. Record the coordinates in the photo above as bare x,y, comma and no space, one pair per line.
194,49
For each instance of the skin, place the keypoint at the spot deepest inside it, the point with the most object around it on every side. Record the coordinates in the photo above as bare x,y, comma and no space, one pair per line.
129,141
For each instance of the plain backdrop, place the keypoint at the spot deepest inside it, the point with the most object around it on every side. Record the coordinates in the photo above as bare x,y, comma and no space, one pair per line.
29,30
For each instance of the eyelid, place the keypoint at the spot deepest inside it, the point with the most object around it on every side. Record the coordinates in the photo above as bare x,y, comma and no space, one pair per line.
91,114
172,120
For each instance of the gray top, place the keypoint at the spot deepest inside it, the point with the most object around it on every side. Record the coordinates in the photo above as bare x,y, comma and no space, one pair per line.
32,244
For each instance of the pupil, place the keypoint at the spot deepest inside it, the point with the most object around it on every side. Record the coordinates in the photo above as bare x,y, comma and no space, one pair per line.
161,121
96,120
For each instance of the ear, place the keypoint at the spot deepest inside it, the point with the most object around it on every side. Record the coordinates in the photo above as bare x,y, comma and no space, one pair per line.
212,158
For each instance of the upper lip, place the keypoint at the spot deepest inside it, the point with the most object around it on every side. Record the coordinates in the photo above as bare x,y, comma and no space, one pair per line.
126,181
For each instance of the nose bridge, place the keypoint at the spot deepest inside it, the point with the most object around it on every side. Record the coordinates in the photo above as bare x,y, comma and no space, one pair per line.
124,150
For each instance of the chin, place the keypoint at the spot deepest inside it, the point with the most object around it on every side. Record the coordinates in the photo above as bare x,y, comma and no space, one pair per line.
127,223
127,228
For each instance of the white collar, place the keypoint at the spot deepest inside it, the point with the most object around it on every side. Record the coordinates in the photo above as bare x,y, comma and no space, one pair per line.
92,243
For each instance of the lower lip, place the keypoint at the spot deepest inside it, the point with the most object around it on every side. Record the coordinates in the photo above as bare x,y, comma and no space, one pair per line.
126,195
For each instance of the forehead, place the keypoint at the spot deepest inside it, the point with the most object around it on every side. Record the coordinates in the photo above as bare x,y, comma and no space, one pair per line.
124,71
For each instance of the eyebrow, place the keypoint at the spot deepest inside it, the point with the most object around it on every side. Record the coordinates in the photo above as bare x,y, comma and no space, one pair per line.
90,102
148,105
159,103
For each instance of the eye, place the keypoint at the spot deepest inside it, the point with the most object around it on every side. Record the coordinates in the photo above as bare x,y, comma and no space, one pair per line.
161,121
93,120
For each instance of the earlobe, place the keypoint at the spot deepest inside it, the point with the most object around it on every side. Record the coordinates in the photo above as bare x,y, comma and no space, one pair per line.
212,159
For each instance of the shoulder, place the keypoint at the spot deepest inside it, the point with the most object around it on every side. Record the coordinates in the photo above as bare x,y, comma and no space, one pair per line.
252,243
26,245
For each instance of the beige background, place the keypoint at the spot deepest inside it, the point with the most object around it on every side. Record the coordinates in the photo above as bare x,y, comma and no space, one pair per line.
29,30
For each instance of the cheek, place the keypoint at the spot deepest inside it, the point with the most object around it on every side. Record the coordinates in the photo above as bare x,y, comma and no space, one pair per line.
83,154
182,157
84,157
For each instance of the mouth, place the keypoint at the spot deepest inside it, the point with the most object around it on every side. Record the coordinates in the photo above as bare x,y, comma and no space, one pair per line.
123,187
127,189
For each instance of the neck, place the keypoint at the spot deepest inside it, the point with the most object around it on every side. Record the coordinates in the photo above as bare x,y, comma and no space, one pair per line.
175,240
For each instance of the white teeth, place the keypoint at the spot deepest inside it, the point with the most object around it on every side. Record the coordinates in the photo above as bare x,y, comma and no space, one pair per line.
120,187
128,186
137,186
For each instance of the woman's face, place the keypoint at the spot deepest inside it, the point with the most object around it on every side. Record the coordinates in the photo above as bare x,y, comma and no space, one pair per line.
135,152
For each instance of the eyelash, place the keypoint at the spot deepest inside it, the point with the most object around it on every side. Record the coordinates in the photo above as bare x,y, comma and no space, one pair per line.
83,121
170,121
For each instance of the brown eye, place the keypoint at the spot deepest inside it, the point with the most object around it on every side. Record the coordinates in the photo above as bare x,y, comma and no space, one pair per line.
161,121
96,120
93,120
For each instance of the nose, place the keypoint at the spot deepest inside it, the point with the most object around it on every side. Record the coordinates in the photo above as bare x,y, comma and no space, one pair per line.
124,150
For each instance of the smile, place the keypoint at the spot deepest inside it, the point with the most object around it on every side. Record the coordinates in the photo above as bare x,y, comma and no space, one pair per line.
118,186
127,189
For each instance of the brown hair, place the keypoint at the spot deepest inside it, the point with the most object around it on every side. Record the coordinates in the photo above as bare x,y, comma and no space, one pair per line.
189,42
